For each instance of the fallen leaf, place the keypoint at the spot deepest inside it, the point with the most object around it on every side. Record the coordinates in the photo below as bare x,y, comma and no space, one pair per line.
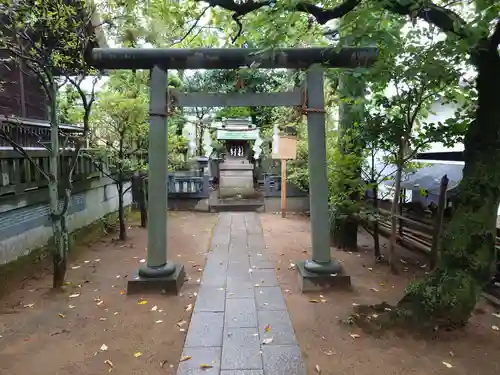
318,370
74,295
29,305
267,328
354,335
314,301
62,316
329,352
267,340
355,304
97,260
59,332
75,267
374,289
205,366
154,308
71,306
103,319
370,269
104,347
142,261
142,302
181,323
447,364
189,307
86,261
496,315
110,364
137,354
163,363
159,321
323,300
495,328
403,261
122,292
99,303
185,358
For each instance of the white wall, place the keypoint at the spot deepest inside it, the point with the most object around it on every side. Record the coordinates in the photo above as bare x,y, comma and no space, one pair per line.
99,201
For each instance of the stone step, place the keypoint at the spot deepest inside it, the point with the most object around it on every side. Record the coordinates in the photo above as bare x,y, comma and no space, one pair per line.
248,205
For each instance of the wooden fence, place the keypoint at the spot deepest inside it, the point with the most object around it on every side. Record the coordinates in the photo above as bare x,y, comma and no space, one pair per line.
20,174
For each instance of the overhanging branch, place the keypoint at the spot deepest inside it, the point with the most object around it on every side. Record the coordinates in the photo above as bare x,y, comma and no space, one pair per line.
445,19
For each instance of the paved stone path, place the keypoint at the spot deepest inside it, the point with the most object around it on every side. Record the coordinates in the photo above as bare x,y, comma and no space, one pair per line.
239,296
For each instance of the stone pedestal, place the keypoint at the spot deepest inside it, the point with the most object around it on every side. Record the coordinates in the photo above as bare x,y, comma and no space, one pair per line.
171,284
315,282
236,178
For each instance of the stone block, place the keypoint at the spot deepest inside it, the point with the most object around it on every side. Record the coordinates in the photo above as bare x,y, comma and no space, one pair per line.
205,329
269,298
281,327
208,355
211,299
237,288
171,284
241,313
241,349
214,275
260,262
264,277
314,282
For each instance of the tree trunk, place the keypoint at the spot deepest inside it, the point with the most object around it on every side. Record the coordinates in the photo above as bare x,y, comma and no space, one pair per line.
59,229
121,212
394,220
351,89
448,295
376,238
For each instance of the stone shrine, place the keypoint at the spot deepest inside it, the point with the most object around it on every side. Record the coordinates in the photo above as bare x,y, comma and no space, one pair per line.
236,172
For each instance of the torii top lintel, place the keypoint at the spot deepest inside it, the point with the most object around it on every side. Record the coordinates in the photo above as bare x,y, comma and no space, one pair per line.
232,58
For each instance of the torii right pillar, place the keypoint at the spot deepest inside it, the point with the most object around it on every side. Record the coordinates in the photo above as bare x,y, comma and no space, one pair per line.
321,272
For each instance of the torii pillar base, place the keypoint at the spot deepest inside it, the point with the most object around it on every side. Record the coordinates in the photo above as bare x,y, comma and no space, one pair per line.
170,284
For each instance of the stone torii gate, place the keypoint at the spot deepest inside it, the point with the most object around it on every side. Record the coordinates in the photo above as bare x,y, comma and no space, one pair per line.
158,273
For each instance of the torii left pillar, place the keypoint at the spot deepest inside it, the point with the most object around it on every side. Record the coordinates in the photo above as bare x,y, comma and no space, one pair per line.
158,274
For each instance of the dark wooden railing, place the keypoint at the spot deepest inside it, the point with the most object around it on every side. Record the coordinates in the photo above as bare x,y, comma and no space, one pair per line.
19,174
33,133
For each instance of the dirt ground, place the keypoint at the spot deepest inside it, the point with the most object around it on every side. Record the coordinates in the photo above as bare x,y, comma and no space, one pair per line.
93,327
328,343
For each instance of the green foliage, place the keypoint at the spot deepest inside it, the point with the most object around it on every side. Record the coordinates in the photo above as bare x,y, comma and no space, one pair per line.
119,124
68,104
298,169
49,37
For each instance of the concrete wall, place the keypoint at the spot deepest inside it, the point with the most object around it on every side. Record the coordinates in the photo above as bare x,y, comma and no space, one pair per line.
25,226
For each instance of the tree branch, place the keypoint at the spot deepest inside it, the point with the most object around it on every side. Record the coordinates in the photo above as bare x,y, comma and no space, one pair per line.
22,151
445,19
193,26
